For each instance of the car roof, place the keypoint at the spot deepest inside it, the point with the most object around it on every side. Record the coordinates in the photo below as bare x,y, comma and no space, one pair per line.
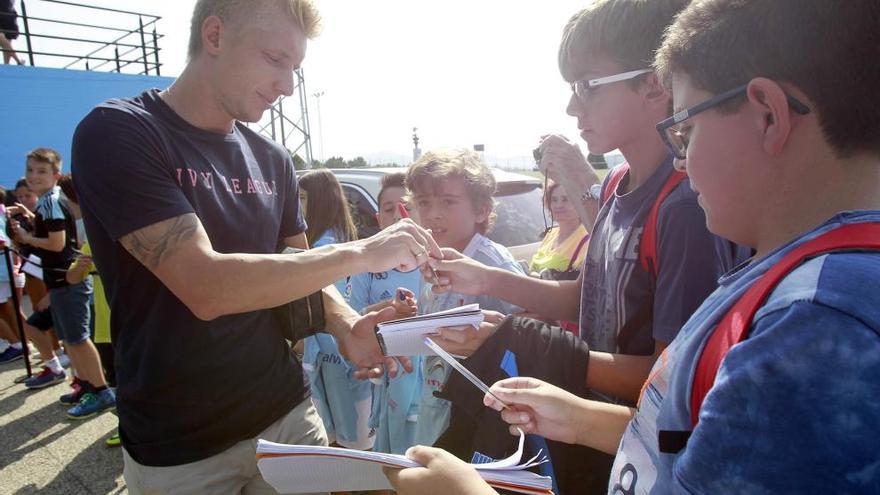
370,178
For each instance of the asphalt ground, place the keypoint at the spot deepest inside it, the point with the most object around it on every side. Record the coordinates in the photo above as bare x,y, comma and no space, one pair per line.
42,451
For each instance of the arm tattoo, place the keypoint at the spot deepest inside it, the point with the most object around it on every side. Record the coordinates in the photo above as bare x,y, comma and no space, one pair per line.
150,245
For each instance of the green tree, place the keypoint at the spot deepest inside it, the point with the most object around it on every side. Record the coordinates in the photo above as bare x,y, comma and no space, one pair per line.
298,162
335,162
358,162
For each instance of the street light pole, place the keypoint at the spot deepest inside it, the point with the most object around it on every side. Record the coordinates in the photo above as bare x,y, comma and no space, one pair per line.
318,96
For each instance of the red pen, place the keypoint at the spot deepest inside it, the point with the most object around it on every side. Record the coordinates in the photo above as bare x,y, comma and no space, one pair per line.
402,210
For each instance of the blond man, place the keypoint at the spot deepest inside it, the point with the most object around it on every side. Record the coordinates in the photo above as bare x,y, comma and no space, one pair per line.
184,208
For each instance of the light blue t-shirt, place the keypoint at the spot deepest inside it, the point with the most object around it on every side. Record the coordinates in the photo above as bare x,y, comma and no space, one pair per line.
795,407
342,401
433,412
395,400
4,275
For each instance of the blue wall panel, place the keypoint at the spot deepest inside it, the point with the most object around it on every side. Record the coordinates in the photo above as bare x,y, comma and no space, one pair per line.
41,107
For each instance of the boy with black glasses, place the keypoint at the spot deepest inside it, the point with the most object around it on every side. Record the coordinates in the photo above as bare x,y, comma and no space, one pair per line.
771,386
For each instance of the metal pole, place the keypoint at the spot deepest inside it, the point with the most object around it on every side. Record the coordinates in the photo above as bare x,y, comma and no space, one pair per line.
118,67
144,46
156,50
17,308
27,33
318,96
272,121
281,122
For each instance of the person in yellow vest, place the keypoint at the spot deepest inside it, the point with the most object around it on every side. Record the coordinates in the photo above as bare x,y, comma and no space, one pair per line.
565,245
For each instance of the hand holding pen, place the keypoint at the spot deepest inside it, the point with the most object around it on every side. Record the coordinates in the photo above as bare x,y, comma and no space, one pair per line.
432,274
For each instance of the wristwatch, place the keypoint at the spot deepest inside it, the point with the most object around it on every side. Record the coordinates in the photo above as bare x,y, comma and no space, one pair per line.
593,193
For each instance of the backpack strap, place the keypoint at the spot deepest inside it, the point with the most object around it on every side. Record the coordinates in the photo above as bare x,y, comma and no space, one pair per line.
577,251
614,177
648,243
734,327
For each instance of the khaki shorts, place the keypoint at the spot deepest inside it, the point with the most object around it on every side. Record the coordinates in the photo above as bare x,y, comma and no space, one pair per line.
232,471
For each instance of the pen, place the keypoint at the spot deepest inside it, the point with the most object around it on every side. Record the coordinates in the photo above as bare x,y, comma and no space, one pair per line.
405,214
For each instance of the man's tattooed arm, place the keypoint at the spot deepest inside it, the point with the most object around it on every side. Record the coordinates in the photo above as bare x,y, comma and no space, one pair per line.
154,243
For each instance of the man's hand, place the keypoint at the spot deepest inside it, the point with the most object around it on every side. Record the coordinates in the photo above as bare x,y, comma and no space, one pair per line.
562,161
442,473
403,246
537,407
361,347
465,340
458,273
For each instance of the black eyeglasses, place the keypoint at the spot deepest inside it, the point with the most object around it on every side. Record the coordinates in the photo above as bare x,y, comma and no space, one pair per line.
677,141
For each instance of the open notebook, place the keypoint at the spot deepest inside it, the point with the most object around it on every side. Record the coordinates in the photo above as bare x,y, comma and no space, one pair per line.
306,468
405,337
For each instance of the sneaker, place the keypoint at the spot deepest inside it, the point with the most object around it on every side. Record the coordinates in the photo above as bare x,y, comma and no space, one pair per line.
45,378
114,440
74,397
64,360
92,404
11,354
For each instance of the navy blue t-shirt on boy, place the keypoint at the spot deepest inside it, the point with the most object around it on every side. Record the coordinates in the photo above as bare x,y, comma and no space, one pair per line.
188,389
623,308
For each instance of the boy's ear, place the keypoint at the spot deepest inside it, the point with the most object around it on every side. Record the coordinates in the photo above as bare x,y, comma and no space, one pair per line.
770,112
483,211
654,90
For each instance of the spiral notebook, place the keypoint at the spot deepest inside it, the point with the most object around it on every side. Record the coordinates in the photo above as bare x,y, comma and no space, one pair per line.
405,337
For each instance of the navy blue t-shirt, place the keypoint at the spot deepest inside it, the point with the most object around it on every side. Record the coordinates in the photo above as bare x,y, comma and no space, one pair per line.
623,308
188,388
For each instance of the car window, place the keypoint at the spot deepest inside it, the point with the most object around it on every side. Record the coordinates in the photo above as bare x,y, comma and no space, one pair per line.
520,217
362,212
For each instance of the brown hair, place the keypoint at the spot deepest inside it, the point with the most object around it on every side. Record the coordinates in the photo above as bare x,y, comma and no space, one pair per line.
434,167
303,12
397,179
827,49
66,185
48,156
548,194
326,207
626,31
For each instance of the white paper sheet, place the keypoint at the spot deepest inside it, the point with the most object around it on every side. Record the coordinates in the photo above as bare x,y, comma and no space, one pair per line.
405,337
307,468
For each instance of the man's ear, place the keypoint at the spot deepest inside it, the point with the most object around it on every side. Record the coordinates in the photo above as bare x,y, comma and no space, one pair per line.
654,91
212,31
771,113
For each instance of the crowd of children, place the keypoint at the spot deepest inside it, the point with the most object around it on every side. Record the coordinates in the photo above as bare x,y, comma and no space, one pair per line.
42,227
725,290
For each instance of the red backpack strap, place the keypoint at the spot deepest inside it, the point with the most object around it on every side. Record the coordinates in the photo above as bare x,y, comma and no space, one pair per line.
648,243
614,177
736,323
577,251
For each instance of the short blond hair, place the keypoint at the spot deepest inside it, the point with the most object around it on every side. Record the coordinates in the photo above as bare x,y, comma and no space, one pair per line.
626,31
431,169
304,12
